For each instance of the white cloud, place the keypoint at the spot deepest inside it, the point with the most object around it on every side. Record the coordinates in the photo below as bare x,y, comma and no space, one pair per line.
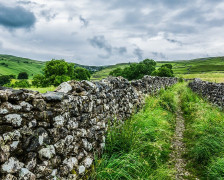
159,29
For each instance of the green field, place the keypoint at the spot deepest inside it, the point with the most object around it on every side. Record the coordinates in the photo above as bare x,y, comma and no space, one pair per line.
14,65
211,69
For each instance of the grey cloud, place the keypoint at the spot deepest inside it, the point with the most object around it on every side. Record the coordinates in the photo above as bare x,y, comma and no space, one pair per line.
139,53
101,43
26,2
16,17
84,21
159,55
120,50
48,14
174,41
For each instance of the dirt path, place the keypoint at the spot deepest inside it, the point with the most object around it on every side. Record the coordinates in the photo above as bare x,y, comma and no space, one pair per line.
179,147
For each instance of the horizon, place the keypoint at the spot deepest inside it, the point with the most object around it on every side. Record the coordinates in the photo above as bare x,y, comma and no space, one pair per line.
118,32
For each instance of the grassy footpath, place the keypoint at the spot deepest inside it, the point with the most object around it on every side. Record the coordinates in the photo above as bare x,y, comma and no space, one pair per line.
204,136
140,148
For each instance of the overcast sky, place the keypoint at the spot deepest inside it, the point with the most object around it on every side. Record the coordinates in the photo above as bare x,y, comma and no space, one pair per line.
101,32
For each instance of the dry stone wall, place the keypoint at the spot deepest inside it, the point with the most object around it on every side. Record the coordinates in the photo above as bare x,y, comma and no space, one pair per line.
214,92
54,135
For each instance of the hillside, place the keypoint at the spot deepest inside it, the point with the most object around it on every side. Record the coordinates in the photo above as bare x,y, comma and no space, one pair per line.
14,65
202,67
211,69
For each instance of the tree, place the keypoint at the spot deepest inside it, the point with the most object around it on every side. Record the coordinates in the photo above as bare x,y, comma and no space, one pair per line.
22,75
136,70
22,84
81,74
116,72
58,71
4,79
164,71
40,81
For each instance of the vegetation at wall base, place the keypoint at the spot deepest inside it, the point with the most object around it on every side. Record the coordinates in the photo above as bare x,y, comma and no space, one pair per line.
140,148
204,135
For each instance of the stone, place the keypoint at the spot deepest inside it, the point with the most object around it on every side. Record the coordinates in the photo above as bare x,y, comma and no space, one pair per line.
25,174
59,121
26,106
14,119
11,166
53,96
88,162
47,152
3,111
81,169
70,162
64,87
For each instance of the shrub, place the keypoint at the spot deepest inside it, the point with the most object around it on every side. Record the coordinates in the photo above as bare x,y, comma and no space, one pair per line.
81,74
5,79
22,75
136,70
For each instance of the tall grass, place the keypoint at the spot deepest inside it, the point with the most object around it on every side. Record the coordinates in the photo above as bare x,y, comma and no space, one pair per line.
140,148
204,135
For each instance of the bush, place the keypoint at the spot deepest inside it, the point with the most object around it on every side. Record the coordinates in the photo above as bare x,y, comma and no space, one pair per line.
164,71
136,70
81,74
22,75
20,84
5,79
40,81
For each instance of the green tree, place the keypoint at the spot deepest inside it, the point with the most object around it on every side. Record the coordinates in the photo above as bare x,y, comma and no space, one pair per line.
136,70
5,79
81,74
58,71
116,72
39,80
163,72
23,75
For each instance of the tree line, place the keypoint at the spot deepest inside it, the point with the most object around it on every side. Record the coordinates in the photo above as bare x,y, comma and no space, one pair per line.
145,67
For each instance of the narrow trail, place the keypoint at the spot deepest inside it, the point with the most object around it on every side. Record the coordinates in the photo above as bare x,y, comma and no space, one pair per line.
179,147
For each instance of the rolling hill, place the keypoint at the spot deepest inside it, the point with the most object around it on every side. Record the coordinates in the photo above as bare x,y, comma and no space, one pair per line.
211,69
14,65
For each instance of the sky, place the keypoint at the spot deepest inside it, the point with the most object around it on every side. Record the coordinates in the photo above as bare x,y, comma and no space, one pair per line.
99,32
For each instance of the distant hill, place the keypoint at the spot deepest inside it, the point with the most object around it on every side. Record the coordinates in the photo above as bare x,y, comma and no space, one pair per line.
14,65
195,66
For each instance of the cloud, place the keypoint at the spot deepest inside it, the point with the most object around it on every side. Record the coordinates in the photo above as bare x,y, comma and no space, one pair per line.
16,17
48,14
139,53
101,43
84,21
159,55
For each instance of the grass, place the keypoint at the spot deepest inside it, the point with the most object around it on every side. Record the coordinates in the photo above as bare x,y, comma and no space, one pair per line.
188,68
41,90
14,65
211,77
140,148
204,136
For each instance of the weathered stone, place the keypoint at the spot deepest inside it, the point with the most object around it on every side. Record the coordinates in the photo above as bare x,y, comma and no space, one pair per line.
25,174
81,169
70,162
88,162
64,87
11,166
14,119
47,152
53,96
